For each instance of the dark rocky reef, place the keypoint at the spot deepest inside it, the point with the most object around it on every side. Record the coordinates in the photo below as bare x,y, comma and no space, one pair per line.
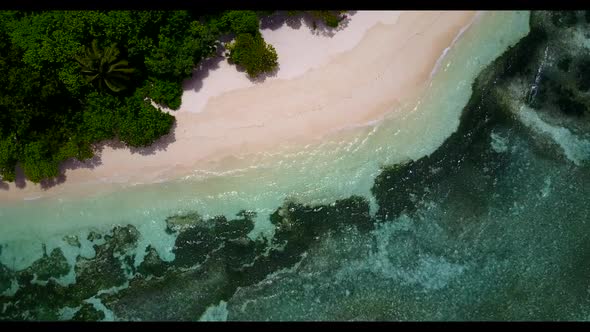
197,238
213,257
42,301
560,86
87,313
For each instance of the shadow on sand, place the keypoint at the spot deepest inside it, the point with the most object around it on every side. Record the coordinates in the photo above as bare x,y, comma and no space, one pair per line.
195,82
261,77
317,27
272,22
19,180
161,144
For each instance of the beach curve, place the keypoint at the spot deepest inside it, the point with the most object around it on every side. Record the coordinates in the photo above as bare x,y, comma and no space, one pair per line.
389,64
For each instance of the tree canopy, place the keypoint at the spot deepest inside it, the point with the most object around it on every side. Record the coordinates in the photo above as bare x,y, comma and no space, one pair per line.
253,53
104,67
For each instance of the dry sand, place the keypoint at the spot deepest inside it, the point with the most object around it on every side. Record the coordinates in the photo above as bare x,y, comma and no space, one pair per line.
324,84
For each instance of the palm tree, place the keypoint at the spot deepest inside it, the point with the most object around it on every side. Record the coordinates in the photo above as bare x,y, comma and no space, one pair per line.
103,67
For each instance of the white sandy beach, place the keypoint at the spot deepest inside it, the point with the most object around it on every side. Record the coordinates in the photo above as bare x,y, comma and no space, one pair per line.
324,84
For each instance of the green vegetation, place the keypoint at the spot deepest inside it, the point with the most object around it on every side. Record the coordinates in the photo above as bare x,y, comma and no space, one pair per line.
330,17
240,21
248,50
104,66
253,53
73,78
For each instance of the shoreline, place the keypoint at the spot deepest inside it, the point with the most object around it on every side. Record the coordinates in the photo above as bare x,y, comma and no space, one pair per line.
378,77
